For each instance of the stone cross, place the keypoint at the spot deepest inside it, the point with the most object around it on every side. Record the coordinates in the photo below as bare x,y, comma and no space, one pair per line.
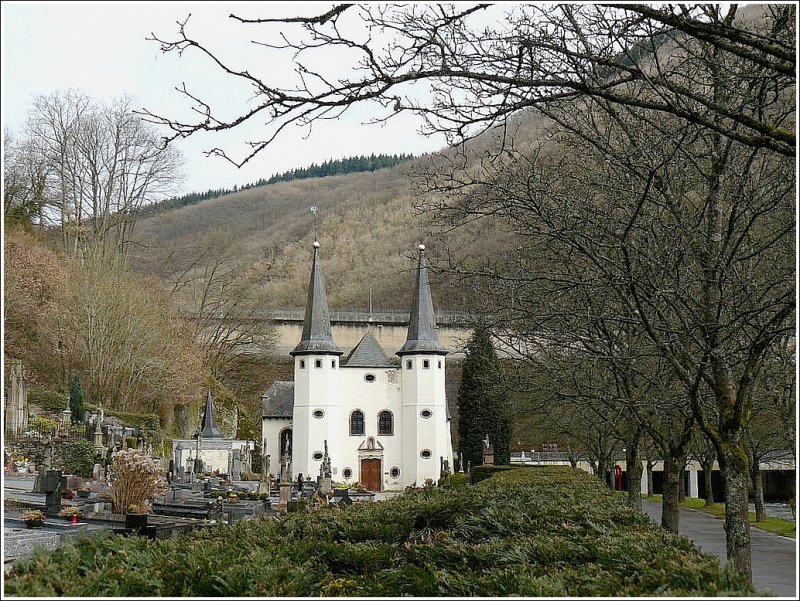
325,485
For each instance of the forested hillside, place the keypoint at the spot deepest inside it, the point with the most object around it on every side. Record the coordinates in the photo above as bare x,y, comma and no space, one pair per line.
368,224
330,167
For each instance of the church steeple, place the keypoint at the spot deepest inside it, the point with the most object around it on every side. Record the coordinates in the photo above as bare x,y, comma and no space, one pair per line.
209,426
423,337
316,338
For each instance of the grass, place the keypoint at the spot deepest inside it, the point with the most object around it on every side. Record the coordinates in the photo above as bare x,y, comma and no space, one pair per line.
774,525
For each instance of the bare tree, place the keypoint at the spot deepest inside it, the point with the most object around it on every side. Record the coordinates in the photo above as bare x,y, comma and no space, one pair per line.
464,69
672,179
215,284
101,164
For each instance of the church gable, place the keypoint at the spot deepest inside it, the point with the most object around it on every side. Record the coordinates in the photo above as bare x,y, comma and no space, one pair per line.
367,353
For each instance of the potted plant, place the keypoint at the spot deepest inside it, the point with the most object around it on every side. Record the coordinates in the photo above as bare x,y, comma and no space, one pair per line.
136,515
33,518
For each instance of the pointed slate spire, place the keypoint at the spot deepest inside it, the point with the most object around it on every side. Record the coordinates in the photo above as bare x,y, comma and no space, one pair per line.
423,337
316,338
209,429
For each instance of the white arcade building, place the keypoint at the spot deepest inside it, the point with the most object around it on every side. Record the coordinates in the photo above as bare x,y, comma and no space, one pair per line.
386,423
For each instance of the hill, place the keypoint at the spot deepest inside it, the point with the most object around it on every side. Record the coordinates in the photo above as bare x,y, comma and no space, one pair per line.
368,224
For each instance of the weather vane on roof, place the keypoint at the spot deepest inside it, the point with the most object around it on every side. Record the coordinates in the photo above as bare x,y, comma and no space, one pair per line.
314,213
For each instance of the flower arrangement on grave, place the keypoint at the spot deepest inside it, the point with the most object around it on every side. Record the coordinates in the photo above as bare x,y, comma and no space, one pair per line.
136,479
33,517
138,508
233,497
69,512
84,492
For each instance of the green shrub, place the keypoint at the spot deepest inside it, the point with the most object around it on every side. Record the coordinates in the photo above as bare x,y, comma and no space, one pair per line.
143,421
482,472
536,532
458,480
131,442
79,457
49,400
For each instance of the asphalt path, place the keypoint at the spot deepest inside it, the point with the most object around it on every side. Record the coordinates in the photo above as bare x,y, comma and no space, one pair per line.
774,558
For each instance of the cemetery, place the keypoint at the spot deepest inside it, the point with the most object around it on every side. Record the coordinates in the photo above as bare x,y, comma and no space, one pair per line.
63,480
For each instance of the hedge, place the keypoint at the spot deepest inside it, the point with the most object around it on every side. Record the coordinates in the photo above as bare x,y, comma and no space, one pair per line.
541,532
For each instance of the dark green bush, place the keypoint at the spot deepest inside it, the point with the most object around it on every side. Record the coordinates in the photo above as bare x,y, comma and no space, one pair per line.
79,457
481,472
537,532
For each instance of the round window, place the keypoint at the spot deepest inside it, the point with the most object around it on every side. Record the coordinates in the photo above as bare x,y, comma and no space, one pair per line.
347,473
318,413
370,377
394,472
425,453
317,456
426,413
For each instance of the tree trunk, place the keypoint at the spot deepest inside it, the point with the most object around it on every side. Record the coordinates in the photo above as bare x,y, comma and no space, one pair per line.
650,465
758,492
708,467
737,524
634,468
602,472
670,514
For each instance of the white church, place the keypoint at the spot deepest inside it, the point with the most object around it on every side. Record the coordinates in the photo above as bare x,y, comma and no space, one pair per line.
386,423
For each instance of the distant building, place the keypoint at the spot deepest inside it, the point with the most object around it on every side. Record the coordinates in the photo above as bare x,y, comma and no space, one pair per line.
217,453
386,422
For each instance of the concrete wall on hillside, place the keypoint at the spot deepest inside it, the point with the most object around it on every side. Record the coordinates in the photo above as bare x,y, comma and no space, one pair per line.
390,337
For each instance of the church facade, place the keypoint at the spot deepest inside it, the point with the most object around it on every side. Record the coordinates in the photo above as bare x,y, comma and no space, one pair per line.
386,422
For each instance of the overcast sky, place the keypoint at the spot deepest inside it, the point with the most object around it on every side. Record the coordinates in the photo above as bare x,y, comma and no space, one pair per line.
101,50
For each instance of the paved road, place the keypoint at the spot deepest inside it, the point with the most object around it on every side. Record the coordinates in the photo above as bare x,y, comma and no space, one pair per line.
774,557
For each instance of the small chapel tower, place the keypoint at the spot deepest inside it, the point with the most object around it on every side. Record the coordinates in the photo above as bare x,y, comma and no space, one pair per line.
426,435
316,378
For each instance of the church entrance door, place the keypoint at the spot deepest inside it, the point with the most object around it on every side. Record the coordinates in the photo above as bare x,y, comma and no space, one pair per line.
371,474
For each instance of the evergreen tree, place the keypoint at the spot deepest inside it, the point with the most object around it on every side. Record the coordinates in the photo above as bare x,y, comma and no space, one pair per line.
482,403
76,404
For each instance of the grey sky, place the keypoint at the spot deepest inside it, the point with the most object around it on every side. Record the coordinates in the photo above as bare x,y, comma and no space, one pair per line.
101,50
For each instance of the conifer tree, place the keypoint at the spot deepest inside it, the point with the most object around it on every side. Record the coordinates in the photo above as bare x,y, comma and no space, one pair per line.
482,403
76,404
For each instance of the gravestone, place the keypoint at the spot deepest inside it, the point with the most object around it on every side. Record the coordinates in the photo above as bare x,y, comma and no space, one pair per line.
325,486
236,467
53,484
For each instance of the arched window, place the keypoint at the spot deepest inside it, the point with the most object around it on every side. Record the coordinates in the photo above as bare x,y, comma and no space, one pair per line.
385,423
356,423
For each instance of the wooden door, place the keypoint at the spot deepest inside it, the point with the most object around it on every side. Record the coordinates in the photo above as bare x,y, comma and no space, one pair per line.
371,474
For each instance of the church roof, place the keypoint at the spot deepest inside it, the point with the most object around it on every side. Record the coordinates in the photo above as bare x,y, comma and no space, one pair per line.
316,337
209,426
278,401
423,337
367,353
